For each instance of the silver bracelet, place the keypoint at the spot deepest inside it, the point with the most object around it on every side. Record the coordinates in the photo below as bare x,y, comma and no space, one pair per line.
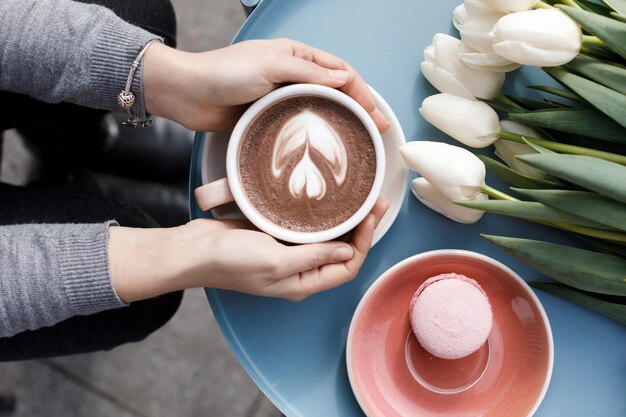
126,98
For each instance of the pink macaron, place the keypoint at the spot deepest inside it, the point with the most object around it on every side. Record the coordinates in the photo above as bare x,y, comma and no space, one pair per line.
450,316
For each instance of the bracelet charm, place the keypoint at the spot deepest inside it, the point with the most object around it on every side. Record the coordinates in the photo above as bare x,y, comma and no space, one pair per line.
126,98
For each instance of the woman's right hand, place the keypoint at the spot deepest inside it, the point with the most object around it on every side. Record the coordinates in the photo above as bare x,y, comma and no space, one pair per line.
225,254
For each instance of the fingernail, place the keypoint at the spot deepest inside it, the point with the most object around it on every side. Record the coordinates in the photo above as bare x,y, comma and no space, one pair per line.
342,254
339,74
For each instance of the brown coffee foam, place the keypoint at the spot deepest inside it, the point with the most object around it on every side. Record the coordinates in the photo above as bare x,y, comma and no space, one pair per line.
272,198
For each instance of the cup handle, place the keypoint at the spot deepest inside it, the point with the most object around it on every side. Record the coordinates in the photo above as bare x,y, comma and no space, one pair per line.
213,194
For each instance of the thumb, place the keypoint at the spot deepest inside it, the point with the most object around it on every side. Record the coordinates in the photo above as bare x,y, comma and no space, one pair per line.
297,70
307,257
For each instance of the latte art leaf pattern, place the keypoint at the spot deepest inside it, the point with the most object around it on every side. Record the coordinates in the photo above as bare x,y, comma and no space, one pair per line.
310,131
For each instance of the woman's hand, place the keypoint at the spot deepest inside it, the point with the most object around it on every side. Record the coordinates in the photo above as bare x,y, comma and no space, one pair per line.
221,254
209,90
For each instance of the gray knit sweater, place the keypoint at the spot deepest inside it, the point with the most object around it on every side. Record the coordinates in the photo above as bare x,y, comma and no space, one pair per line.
60,50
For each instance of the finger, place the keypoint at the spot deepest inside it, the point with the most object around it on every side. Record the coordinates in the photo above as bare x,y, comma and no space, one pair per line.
355,87
296,259
298,70
361,242
299,286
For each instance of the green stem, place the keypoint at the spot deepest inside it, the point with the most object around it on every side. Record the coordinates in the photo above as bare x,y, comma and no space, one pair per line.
571,3
618,16
542,5
590,40
497,194
563,148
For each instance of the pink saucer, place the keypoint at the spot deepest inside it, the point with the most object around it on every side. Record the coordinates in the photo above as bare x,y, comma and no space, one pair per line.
391,376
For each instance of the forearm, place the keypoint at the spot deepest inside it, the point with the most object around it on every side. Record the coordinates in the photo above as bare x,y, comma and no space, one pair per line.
60,50
50,272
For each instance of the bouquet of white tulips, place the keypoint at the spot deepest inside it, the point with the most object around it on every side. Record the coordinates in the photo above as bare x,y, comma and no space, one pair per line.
564,156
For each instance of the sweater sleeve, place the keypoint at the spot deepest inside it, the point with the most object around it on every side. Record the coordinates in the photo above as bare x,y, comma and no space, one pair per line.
61,50
50,272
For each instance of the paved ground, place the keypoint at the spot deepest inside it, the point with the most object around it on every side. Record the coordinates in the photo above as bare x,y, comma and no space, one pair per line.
185,369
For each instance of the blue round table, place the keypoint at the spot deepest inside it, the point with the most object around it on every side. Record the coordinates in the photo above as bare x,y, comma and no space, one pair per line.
295,352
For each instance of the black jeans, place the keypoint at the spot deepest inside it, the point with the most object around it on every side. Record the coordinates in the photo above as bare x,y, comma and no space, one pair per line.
108,329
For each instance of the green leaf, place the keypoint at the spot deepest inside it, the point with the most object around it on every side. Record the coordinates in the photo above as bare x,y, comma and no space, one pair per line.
609,75
515,178
558,92
595,7
582,269
610,31
608,101
586,122
604,177
604,246
531,104
617,5
529,210
592,206
611,310
504,107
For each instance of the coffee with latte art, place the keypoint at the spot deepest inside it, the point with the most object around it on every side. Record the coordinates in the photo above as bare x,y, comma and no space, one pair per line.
307,163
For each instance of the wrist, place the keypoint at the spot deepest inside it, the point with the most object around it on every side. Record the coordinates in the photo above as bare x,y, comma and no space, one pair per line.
164,80
145,263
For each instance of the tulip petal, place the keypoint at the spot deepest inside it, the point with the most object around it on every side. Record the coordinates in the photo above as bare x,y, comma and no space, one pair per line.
486,61
455,172
525,54
476,28
543,38
446,72
459,16
431,198
472,123
443,81
510,6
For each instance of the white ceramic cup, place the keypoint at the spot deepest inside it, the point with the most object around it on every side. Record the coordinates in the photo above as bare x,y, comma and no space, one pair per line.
230,189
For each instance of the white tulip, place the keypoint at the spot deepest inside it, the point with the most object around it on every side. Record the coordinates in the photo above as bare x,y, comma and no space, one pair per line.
541,38
485,61
448,74
476,28
458,16
509,6
456,172
471,122
507,150
477,6
434,200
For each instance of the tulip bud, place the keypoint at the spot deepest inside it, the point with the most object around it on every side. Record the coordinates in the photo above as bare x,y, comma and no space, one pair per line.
507,150
509,6
448,74
434,200
541,38
471,122
456,172
458,16
485,61
476,28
